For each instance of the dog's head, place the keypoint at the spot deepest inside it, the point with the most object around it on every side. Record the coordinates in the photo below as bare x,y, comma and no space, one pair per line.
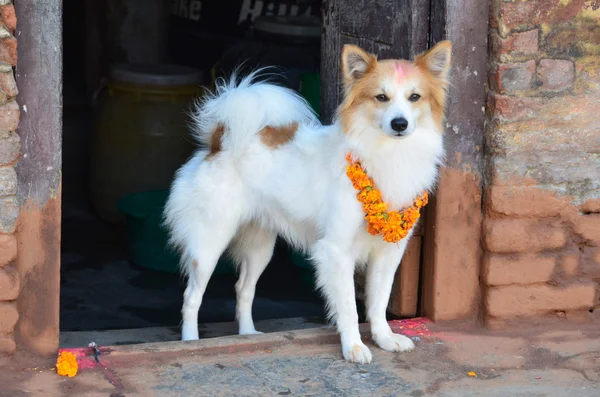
392,97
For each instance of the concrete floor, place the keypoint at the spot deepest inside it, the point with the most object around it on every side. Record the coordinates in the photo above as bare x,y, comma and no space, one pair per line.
533,363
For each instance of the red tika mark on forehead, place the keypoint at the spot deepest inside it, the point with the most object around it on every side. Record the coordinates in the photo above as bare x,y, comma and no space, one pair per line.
399,72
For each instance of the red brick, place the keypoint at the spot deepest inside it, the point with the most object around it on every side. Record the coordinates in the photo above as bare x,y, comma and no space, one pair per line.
9,211
9,18
588,227
7,345
541,153
524,201
10,147
8,317
8,85
512,108
525,269
519,43
8,51
525,42
570,264
9,116
550,146
513,77
519,14
556,75
8,248
553,136
590,206
8,181
589,265
10,283
522,235
512,301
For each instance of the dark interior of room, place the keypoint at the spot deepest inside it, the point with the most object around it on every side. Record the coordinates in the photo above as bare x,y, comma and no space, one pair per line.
105,283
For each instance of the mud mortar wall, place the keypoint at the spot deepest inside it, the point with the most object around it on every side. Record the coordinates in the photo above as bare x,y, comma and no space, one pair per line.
30,164
541,231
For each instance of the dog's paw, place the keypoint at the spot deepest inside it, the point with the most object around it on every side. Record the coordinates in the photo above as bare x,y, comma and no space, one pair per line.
357,353
394,342
189,333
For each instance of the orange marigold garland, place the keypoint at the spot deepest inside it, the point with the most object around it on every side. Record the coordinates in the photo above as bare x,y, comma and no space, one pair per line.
66,364
393,226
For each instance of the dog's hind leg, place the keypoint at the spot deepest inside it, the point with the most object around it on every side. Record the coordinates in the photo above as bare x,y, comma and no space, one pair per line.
253,249
207,242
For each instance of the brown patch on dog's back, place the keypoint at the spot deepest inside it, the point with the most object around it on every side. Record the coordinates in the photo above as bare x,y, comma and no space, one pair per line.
216,140
274,137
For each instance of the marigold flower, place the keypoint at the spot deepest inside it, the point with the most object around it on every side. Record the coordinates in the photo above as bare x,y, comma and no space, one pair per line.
369,196
373,209
393,226
66,364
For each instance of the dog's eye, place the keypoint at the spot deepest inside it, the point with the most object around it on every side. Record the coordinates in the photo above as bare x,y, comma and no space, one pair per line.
382,98
414,97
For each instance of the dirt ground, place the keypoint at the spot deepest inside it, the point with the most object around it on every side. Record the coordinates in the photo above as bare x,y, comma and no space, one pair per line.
535,362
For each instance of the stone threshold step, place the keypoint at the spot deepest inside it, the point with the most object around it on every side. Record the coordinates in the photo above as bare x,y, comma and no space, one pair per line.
134,336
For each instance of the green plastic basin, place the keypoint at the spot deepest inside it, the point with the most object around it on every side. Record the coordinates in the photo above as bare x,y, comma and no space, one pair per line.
148,238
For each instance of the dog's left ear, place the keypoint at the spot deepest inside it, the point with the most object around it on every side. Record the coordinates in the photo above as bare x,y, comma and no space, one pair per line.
437,60
356,63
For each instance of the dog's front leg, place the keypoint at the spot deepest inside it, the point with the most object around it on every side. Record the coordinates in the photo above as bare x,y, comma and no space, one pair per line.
335,278
380,277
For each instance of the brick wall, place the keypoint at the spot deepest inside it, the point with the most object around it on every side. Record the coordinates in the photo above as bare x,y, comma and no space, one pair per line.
542,197
9,154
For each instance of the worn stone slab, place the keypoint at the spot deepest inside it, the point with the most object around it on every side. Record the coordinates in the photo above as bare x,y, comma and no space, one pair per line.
523,363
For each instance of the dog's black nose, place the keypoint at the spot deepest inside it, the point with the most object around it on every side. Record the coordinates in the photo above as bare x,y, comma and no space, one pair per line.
400,124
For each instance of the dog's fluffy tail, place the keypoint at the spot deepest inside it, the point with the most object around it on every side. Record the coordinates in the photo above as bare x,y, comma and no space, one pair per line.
239,108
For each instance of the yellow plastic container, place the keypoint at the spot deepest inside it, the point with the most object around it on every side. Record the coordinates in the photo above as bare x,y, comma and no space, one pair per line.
141,132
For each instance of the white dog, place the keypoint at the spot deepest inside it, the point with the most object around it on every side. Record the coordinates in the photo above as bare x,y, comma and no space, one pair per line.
271,169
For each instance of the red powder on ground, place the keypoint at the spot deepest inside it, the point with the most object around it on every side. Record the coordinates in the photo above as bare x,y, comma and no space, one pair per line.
411,327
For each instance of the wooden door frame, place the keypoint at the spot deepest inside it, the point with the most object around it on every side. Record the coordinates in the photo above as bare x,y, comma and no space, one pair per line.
451,252
450,286
39,80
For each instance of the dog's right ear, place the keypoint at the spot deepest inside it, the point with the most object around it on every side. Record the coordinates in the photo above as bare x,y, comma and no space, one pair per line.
356,63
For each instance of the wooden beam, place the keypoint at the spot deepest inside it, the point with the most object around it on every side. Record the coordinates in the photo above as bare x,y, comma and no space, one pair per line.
405,293
452,252
39,78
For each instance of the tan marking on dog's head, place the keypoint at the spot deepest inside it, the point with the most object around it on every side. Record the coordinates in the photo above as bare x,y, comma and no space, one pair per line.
195,264
371,87
274,137
216,140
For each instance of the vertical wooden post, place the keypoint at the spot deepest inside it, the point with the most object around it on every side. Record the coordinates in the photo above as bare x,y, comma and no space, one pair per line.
405,293
39,78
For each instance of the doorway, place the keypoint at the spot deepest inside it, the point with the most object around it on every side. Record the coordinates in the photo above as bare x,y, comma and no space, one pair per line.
101,287
446,294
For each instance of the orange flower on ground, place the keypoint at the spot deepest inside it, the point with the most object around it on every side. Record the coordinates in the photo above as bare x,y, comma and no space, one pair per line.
393,226
66,364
